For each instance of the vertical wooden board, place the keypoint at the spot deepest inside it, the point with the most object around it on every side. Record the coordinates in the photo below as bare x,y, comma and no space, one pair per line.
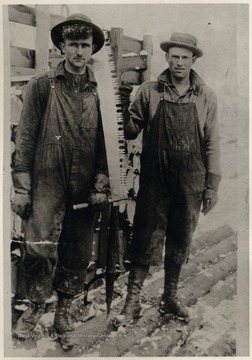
6,178
42,38
116,35
147,46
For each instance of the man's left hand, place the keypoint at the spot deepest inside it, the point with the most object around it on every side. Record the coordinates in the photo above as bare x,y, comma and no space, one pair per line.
98,201
101,184
210,199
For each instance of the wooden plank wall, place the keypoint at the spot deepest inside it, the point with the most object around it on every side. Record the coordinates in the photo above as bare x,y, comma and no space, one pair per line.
132,56
28,55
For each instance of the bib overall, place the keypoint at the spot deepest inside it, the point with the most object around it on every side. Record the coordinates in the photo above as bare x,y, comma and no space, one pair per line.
58,239
172,182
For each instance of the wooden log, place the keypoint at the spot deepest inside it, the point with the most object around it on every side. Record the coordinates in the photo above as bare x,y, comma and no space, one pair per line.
210,238
135,63
117,346
148,47
42,38
21,73
98,330
201,284
16,79
116,35
22,57
28,38
209,256
27,15
130,44
176,332
6,178
22,14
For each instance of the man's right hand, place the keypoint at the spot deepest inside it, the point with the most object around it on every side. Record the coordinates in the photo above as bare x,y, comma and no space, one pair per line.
21,204
125,91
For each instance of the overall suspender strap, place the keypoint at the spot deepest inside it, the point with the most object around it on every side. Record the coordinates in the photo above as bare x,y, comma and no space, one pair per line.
51,77
161,90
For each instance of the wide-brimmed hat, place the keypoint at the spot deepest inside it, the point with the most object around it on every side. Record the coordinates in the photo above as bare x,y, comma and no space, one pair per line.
98,36
187,41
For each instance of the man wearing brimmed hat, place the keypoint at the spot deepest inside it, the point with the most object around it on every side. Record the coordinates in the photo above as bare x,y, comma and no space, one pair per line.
60,160
180,168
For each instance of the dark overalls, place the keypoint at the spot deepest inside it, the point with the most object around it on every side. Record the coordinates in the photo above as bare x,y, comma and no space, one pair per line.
63,174
172,182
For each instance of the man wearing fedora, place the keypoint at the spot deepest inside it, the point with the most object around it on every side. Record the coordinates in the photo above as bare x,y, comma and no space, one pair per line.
60,160
180,168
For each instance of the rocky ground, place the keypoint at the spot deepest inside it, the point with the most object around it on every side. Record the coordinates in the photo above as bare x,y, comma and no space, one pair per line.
207,288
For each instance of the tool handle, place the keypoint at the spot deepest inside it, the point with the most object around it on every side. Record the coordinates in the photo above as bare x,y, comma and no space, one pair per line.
80,206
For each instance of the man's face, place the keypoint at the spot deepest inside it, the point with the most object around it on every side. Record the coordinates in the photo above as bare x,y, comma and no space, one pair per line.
78,52
180,61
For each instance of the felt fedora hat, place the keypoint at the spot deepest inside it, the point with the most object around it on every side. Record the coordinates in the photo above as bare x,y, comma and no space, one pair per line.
182,40
98,36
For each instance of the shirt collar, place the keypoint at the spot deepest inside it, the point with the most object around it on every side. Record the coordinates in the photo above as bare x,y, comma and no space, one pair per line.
195,79
60,71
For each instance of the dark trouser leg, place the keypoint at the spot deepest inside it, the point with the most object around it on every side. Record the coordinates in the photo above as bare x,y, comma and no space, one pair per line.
181,225
74,255
169,303
42,231
150,207
132,308
149,224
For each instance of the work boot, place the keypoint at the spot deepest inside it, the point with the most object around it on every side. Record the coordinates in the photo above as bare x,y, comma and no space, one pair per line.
169,303
29,319
132,308
62,320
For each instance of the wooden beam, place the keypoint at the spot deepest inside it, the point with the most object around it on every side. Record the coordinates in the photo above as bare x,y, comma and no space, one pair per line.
22,57
42,38
28,35
6,177
20,78
116,35
22,14
131,45
136,63
148,47
21,71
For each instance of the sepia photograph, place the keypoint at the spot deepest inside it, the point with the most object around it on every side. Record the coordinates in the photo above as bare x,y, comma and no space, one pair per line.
125,180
